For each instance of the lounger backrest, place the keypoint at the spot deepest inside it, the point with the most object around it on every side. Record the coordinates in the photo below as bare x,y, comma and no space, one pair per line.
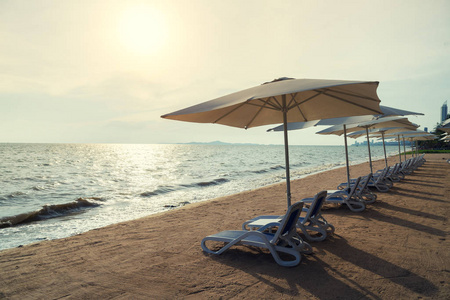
408,163
354,187
316,205
395,169
289,221
364,182
382,175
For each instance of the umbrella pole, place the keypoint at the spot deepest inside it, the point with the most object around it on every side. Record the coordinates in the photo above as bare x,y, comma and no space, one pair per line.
346,156
399,151
404,147
368,147
417,148
412,147
384,148
286,153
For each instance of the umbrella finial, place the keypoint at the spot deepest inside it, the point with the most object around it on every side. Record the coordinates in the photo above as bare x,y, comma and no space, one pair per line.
279,79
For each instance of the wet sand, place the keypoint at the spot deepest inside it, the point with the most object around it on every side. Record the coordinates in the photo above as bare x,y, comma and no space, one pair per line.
396,249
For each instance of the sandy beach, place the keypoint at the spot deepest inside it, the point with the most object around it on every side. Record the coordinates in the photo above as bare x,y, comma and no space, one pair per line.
396,249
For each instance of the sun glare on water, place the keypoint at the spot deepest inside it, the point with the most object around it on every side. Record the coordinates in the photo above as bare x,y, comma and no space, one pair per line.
142,30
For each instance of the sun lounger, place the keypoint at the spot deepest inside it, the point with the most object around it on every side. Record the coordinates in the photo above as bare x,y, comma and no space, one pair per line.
394,173
284,240
362,192
411,164
380,181
345,196
313,225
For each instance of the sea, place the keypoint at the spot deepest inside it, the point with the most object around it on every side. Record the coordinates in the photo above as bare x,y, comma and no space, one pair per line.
52,191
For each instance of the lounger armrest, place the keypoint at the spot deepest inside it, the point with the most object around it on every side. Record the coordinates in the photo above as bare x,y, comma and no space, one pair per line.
307,200
337,193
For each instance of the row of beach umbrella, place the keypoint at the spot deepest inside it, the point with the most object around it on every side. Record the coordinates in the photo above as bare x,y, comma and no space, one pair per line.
349,107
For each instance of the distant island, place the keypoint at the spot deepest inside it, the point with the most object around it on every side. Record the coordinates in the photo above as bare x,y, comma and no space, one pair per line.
219,143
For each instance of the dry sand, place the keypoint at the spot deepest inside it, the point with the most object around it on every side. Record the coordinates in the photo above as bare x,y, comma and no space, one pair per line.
396,249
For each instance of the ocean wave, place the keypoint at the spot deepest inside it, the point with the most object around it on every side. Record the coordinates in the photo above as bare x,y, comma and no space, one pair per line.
45,186
269,169
167,189
160,190
38,188
16,194
50,211
213,182
278,167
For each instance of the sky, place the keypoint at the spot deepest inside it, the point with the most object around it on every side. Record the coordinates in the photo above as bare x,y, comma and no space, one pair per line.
90,71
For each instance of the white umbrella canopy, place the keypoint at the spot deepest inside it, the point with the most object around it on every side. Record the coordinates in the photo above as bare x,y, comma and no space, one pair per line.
445,138
408,133
427,137
386,111
445,126
376,132
341,125
302,99
403,124
420,137
390,121
286,100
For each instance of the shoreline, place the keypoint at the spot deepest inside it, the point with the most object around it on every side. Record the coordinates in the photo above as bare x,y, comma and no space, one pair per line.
59,211
397,248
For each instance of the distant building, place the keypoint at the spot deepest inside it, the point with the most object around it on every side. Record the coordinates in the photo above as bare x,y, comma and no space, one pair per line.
425,129
444,110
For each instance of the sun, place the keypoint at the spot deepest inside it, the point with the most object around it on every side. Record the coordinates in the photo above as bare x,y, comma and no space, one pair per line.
142,30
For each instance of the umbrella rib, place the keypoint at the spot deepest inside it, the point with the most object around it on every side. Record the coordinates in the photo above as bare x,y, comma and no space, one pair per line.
297,104
350,94
267,102
350,102
249,103
230,112
257,113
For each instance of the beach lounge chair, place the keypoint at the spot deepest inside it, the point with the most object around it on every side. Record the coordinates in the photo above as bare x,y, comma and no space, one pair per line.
380,181
344,196
411,164
362,191
394,173
313,225
284,240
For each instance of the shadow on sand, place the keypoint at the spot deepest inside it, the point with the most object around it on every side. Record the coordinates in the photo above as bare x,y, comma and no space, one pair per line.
318,277
412,212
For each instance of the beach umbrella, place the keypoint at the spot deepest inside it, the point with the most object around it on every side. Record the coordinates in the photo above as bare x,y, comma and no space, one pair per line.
428,137
386,111
445,126
375,123
424,137
381,124
445,138
352,121
286,100
413,135
403,124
